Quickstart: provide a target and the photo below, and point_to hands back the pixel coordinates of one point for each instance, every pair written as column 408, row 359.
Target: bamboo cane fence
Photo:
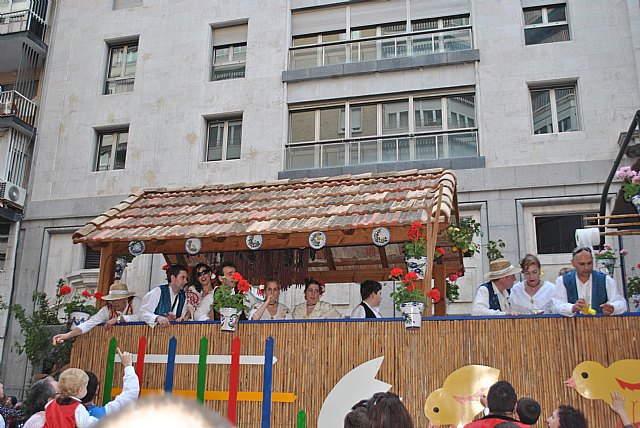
column 535, row 354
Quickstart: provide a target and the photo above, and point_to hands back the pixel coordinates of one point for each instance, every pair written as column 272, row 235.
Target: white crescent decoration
column 359, row 384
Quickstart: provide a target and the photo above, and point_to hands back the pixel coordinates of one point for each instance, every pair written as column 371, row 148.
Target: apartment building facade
column 524, row 99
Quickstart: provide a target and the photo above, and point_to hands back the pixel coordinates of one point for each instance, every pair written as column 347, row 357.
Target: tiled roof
column 284, row 206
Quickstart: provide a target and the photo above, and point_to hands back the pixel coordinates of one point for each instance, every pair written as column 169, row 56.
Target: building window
column 554, row 110
column 224, row 139
column 229, row 52
column 121, row 70
column 556, row 234
column 546, row 24
column 112, row 150
column 91, row 258
column 405, row 129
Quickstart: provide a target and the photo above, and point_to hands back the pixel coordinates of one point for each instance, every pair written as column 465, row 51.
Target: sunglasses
column 203, row 272
column 581, row 249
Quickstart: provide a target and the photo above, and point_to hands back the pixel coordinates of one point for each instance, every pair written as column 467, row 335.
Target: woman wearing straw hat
column 492, row 297
column 122, row 306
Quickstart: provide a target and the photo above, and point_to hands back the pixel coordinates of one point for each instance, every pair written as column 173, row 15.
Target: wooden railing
column 536, row 354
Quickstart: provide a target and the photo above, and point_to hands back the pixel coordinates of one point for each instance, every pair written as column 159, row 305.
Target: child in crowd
column 67, row 410
column 528, row 410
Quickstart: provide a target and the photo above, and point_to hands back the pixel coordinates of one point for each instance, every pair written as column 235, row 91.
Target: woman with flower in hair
column 314, row 308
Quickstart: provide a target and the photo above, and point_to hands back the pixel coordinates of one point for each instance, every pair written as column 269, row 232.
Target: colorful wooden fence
column 535, row 354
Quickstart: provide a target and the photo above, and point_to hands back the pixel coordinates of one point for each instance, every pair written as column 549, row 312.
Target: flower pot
column 228, row 319
column 418, row 266
column 605, row 265
column 412, row 314
column 635, row 200
column 78, row 317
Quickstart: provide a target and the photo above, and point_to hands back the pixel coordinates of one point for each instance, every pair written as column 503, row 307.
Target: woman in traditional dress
column 314, row 308
column 270, row 309
column 200, row 286
column 532, row 295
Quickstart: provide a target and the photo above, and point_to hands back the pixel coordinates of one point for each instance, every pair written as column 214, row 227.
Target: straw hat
column 117, row 291
column 500, row 268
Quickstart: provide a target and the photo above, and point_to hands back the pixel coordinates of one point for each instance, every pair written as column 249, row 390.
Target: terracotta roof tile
column 283, row 206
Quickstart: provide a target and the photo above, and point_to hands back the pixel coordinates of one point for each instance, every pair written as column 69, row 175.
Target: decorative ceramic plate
column 254, row 241
column 381, row 236
column 136, row 248
column 317, row 240
column 193, row 246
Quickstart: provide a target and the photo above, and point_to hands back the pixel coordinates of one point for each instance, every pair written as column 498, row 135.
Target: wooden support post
column 107, row 268
column 432, row 229
column 439, row 276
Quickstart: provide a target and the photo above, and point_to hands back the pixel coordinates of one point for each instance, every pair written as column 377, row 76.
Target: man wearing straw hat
column 585, row 290
column 492, row 297
column 122, row 306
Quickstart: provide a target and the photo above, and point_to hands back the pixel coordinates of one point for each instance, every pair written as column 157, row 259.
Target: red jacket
column 493, row 420
column 60, row 415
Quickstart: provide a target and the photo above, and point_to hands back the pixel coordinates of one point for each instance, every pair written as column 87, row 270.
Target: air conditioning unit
column 12, row 194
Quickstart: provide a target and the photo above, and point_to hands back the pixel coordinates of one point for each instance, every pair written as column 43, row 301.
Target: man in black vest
column 492, row 297
column 371, row 293
column 167, row 302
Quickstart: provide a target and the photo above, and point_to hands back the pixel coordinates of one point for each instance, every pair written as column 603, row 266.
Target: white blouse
column 524, row 304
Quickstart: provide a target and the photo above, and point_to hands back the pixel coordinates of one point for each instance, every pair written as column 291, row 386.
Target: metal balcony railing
column 376, row 48
column 380, row 150
column 13, row 103
column 32, row 19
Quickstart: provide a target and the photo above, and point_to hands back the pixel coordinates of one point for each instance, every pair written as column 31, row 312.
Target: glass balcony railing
column 380, row 48
column 13, row 103
column 380, row 150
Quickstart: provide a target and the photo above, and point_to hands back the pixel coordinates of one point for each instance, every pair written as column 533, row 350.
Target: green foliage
column 453, row 291
column 37, row 338
column 493, row 250
column 407, row 291
column 633, row 282
column 462, row 235
column 225, row 298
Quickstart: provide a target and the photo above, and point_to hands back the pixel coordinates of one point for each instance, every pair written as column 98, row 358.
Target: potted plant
column 415, row 250
column 606, row 258
column 633, row 287
column 230, row 303
column 462, row 236
column 80, row 307
column 630, row 185
column 407, row 297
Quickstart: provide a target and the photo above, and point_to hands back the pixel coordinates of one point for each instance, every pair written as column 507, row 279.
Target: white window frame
column 225, row 138
column 545, row 20
column 231, row 61
column 553, row 105
column 114, row 148
column 121, row 77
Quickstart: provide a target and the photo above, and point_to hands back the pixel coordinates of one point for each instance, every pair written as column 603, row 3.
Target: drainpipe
column 9, row 272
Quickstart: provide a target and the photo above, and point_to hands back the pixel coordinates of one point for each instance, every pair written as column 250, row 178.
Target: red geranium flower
column 411, row 276
column 416, row 225
column 440, row 250
column 64, row 290
column 236, row 276
column 243, row 286
column 411, row 286
column 98, row 296
column 166, row 267
column 638, row 266
column 434, row 294
column 86, row 294
column 396, row 272
column 453, row 277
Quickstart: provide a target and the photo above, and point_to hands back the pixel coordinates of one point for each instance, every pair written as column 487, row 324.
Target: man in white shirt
column 167, row 302
column 122, row 306
column 492, row 297
column 371, row 293
column 583, row 289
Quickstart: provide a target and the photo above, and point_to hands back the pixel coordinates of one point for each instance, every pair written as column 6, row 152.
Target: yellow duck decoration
column 594, row 381
column 458, row 401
